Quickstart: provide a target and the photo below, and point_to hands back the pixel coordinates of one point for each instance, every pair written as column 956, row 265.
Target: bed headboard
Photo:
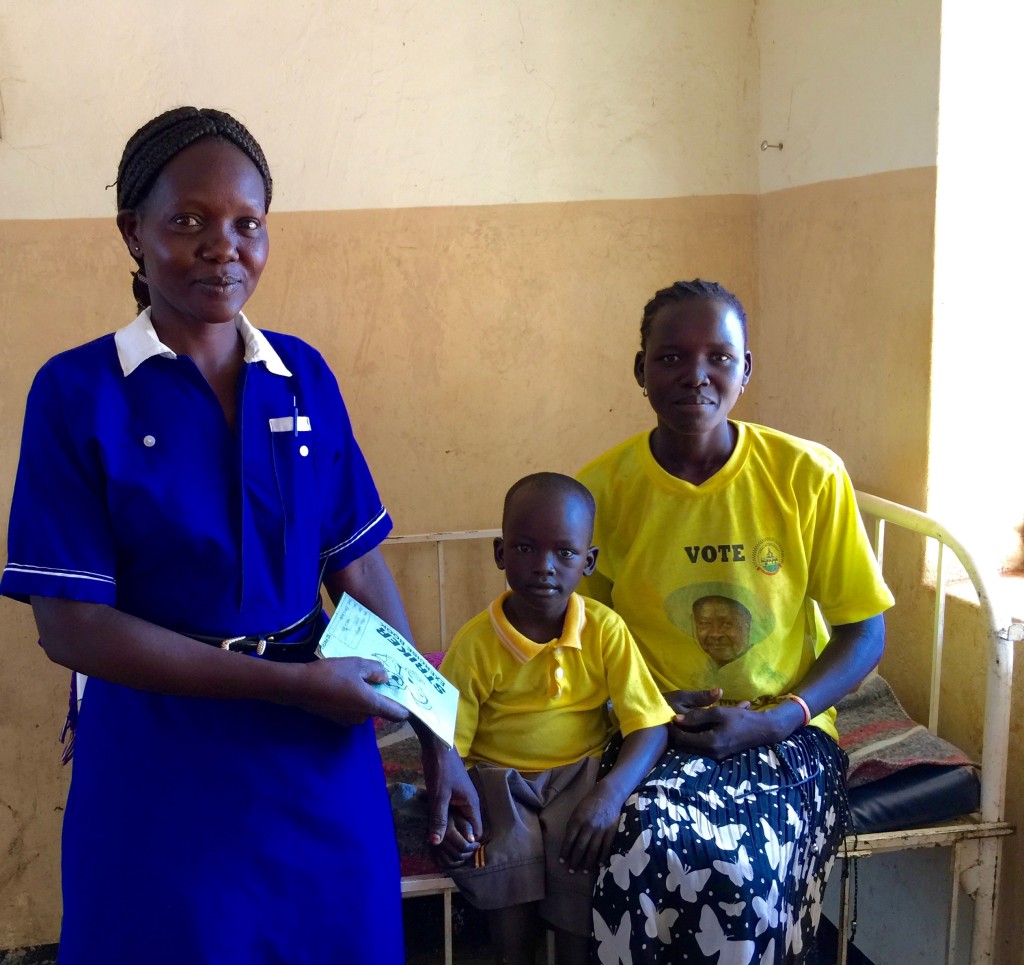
column 458, row 582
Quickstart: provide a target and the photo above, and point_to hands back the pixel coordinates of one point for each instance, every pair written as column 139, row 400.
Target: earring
column 743, row 389
column 644, row 388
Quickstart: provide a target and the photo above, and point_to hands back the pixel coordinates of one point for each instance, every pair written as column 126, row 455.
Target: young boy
column 535, row 672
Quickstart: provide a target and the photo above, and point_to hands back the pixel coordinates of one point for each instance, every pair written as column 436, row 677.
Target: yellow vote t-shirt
column 726, row 584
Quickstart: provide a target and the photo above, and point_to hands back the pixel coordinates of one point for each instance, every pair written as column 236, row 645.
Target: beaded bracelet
column 803, row 706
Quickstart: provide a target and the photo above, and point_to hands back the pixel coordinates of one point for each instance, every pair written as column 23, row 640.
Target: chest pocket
column 293, row 446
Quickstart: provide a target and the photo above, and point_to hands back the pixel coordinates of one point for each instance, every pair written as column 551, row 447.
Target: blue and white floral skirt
column 724, row 861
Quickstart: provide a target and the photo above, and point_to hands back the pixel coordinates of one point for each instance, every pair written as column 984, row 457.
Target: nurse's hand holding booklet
column 355, row 631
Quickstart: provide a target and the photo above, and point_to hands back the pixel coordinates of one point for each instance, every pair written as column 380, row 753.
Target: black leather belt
column 272, row 644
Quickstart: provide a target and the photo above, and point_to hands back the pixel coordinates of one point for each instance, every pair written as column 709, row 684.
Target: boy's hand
column 682, row 701
column 593, row 825
column 458, row 845
column 588, row 837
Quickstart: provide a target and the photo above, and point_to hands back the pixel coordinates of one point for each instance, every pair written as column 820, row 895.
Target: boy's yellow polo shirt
column 534, row 706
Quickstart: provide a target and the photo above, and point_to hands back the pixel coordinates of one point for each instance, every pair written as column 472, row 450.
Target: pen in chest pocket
column 294, row 423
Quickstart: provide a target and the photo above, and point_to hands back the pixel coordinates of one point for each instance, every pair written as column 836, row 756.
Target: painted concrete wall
column 472, row 204
column 848, row 88
column 846, row 218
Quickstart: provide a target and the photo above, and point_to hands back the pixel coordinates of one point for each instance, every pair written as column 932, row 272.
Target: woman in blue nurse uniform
column 185, row 487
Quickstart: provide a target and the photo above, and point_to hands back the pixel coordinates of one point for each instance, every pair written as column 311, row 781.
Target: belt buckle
column 229, row 644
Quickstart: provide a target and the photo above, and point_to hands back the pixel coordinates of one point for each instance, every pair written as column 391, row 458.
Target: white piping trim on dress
column 53, row 571
column 327, row 554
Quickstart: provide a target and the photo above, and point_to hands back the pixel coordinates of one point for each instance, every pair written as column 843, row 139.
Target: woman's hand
column 455, row 828
column 719, row 731
column 702, row 726
column 100, row 641
column 591, row 829
column 457, row 846
column 459, row 843
column 341, row 689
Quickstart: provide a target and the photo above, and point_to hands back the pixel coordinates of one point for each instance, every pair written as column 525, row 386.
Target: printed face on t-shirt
column 722, row 628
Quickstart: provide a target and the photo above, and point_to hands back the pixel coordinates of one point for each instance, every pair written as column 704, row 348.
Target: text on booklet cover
column 354, row 631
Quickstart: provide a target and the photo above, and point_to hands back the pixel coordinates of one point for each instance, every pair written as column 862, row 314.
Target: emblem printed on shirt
column 768, row 556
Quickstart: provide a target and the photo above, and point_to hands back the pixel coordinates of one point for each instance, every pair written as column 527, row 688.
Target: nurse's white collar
column 138, row 341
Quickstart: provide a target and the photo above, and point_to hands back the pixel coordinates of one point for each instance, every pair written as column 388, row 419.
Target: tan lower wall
column 843, row 341
column 1011, row 891
column 473, row 345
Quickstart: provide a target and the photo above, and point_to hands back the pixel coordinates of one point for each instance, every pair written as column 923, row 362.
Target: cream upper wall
column 368, row 105
column 846, row 213
column 849, row 88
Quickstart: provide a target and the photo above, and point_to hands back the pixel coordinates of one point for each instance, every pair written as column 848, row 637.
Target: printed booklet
column 354, row 631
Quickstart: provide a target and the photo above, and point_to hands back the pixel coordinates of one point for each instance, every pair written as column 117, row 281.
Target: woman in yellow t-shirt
column 729, row 549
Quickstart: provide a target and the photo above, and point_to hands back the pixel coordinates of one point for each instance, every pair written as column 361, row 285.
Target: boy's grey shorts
column 525, row 816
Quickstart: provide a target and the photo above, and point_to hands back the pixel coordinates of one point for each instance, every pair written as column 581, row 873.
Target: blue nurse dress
column 206, row 831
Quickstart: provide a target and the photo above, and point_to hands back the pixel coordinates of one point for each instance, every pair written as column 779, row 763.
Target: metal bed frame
column 417, row 886
column 976, row 839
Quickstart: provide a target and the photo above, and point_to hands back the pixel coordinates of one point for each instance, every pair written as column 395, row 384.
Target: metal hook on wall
column 765, row 145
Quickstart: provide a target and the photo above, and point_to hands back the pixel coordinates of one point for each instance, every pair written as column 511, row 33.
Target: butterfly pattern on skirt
column 727, row 859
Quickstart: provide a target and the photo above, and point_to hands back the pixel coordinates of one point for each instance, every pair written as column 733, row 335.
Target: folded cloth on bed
column 881, row 739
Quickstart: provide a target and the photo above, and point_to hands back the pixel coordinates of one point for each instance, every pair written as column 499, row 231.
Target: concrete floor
column 36, row 955
column 424, row 932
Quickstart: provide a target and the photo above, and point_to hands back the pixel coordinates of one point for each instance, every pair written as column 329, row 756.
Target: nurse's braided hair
column 683, row 291
column 154, row 144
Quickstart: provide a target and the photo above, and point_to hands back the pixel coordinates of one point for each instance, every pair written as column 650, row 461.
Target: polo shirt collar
column 139, row 341
column 524, row 649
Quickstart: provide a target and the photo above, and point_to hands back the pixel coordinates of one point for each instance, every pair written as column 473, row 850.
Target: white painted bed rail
column 976, row 842
column 439, row 540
